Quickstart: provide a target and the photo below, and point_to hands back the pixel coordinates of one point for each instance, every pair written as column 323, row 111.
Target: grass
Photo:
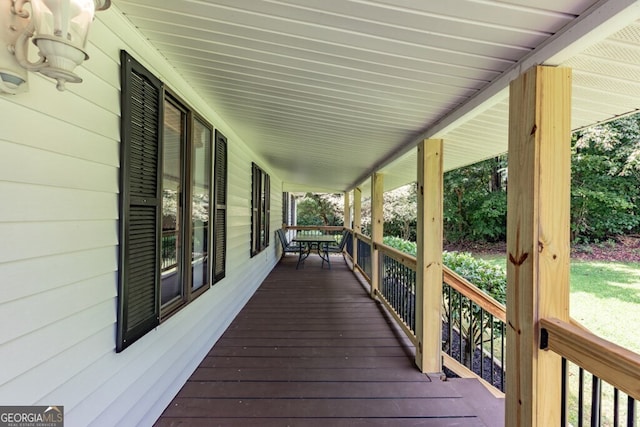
column 605, row 298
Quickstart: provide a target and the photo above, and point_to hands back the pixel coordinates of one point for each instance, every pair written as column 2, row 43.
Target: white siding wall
column 59, row 155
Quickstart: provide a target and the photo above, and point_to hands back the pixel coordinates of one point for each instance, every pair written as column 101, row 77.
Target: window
column 260, row 209
column 165, row 204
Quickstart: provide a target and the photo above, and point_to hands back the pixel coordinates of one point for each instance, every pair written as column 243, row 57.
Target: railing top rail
column 314, row 227
column 364, row 238
column 474, row 293
column 402, row 257
column 610, row 362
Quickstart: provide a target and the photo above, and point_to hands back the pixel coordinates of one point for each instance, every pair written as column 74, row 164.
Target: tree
column 475, row 202
column 605, row 188
column 605, row 180
column 320, row 209
column 399, row 212
column 605, row 192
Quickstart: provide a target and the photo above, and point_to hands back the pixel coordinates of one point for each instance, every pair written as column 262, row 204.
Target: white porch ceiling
column 327, row 91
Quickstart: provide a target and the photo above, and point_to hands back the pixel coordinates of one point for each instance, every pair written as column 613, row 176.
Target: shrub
column 400, row 244
column 490, row 278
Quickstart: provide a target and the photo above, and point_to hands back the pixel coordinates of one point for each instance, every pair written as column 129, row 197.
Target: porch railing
column 169, row 252
column 363, row 263
column 473, row 322
column 473, row 329
column 474, row 341
column 170, row 243
column 397, row 289
column 330, row 230
column 608, row 396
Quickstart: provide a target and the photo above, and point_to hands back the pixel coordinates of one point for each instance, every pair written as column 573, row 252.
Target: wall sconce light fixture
column 58, row 28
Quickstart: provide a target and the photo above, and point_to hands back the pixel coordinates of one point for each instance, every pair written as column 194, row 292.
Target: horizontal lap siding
column 29, row 277
column 58, row 182
column 36, row 239
column 59, row 160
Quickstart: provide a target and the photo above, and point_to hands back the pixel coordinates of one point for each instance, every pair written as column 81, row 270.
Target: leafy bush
column 488, row 223
column 400, row 244
column 490, row 278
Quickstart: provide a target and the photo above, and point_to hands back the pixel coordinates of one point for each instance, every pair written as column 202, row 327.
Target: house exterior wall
column 59, row 186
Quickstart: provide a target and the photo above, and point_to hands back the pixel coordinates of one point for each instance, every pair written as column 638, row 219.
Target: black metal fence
column 349, row 246
column 473, row 336
column 589, row 401
column 364, row 257
column 169, row 250
column 398, row 287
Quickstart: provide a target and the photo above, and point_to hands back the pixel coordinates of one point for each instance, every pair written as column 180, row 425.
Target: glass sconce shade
column 63, row 20
column 59, row 29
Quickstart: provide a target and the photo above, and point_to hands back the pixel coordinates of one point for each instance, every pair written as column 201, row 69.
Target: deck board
column 311, row 348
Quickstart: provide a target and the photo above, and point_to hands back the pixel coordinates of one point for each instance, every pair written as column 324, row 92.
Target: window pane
column 174, row 131
column 200, row 203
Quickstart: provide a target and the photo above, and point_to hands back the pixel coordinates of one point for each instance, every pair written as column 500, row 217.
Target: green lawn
column 605, row 298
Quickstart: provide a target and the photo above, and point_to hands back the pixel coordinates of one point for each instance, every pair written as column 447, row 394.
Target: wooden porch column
column 357, row 222
column 347, row 210
column 429, row 256
column 377, row 227
column 537, row 240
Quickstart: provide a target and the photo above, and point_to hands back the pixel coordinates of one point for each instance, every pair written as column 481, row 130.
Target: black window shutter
column 285, row 208
column 255, row 209
column 267, row 209
column 140, row 202
column 220, row 214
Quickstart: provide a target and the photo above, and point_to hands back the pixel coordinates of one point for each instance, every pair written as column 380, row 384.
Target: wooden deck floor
column 312, row 349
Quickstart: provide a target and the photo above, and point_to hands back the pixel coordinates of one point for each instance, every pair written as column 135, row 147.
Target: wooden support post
column 347, row 210
column 357, row 222
column 377, row 228
column 429, row 256
column 538, row 204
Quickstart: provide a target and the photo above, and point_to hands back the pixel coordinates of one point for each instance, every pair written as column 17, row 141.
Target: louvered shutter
column 140, row 202
column 255, row 209
column 267, row 209
column 285, row 209
column 220, row 214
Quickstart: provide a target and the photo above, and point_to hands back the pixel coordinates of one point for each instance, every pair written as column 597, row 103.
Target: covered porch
column 281, row 96
column 312, row 348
